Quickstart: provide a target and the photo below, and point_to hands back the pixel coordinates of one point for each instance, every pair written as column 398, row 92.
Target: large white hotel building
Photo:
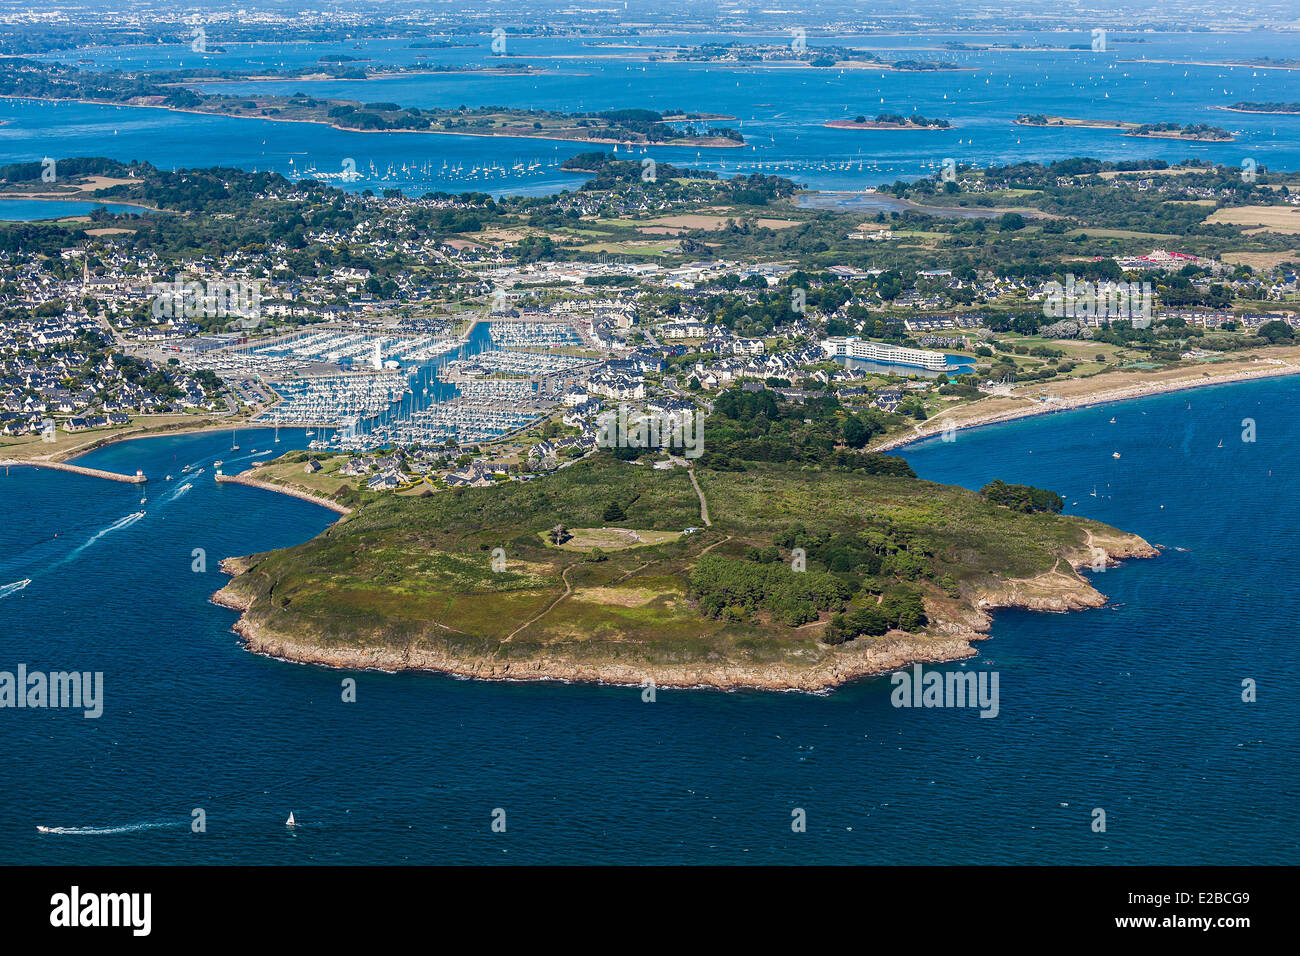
column 838, row 346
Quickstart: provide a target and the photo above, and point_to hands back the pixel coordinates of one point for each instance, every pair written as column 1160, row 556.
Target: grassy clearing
column 1119, row 234
column 615, row 539
column 1265, row 218
column 327, row 482
column 631, row 248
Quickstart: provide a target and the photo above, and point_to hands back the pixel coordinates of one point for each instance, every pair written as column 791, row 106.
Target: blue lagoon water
column 1134, row 708
column 27, row 210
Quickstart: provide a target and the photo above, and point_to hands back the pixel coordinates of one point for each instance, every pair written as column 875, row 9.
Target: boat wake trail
column 118, row 525
column 13, row 587
column 110, row 831
column 180, row 491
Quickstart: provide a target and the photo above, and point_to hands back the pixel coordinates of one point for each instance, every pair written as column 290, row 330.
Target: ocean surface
column 1135, row 708
column 779, row 110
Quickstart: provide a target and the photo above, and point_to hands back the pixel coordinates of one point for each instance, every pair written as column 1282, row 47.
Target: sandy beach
column 1044, row 399
column 66, row 447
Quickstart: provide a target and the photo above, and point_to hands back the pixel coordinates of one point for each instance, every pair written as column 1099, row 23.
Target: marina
column 365, row 391
column 463, row 420
column 428, row 173
column 346, row 349
column 515, row 363
column 334, row 400
column 507, row 334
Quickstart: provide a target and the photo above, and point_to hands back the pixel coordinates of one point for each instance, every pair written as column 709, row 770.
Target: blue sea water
column 1135, row 708
column 780, row 111
column 26, row 210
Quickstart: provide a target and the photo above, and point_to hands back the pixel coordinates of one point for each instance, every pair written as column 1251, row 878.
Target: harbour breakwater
column 137, row 479
column 281, row 489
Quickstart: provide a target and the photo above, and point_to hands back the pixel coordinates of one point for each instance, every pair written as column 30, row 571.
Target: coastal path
column 704, row 505
column 568, row 589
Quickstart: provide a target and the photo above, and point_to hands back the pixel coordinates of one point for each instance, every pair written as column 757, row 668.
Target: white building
column 857, row 348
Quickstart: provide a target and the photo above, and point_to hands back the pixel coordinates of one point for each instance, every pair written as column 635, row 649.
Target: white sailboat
column 291, row 822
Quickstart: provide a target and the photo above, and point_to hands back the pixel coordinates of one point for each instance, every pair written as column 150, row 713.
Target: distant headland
column 1192, row 132
column 1290, row 109
column 30, row 79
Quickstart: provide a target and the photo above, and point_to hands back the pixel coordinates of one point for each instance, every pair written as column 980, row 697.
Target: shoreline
column 870, row 127
column 523, row 70
column 1121, row 394
column 806, row 65
column 78, row 198
column 1231, row 109
column 126, row 434
column 301, row 495
column 1228, row 64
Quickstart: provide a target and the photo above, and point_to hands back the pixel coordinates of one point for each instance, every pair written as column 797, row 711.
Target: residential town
column 477, row 361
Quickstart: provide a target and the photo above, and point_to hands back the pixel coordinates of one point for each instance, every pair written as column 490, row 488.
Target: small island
column 681, row 116
column 438, row 45
column 785, row 55
column 889, row 121
column 1013, row 47
column 1195, row 132
column 1192, row 132
column 1290, row 109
